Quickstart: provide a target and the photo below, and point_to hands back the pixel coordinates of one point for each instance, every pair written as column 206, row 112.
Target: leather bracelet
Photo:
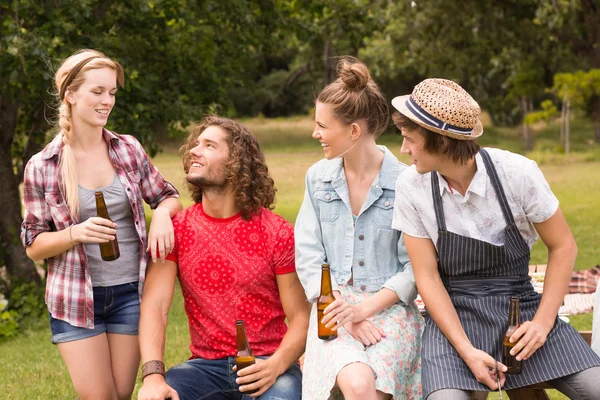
column 153, row 367
column 71, row 235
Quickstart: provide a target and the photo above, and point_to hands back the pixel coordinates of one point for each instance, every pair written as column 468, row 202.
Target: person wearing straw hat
column 470, row 217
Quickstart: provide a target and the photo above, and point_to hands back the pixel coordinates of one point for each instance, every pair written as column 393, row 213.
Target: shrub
column 25, row 306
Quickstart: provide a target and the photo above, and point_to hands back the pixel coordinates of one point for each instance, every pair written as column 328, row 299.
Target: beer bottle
column 325, row 299
column 511, row 362
column 109, row 251
column 244, row 356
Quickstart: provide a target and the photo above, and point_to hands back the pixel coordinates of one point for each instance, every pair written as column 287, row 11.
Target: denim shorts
column 116, row 310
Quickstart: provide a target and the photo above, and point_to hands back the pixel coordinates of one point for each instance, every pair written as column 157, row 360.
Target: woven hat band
column 433, row 121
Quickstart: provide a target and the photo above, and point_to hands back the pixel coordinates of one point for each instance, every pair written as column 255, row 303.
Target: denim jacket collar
column 334, row 171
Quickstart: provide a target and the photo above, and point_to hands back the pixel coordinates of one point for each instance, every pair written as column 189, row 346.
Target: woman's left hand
column 340, row 312
column 161, row 237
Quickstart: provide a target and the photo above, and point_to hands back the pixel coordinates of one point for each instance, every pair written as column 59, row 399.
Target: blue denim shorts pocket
column 116, row 310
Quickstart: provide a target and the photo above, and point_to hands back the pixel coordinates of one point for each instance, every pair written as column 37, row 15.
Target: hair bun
column 353, row 73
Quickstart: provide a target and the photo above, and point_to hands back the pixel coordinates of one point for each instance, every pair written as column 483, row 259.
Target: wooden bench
column 532, row 392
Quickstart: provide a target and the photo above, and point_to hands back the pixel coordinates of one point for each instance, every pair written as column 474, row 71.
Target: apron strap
column 437, row 202
column 491, row 171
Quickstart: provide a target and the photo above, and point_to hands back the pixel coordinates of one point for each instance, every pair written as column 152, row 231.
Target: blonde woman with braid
column 94, row 304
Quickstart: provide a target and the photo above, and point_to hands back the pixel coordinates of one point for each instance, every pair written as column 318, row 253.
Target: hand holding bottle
column 94, row 230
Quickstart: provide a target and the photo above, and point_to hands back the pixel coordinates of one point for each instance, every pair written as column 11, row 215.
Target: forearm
column 440, row 308
column 50, row 244
column 171, row 205
column 153, row 324
column 293, row 344
column 556, row 281
column 381, row 300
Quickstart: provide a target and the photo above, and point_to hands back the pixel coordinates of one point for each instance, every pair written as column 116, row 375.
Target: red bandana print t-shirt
column 227, row 270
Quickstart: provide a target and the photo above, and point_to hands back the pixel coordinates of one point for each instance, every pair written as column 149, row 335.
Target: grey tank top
column 126, row 268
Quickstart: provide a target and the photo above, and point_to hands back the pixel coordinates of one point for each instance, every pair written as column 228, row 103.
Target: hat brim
column 399, row 103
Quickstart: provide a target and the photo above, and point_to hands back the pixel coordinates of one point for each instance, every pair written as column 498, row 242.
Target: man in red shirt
column 234, row 259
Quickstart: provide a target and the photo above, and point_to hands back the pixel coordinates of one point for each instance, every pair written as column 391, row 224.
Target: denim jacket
column 369, row 251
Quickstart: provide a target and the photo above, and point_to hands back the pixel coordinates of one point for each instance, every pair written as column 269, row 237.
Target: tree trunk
column 527, row 134
column 563, row 112
column 595, row 106
column 35, row 139
column 567, row 128
column 12, row 253
column 328, row 69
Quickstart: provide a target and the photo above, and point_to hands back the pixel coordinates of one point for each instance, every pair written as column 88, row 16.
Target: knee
column 358, row 387
column 177, row 374
column 124, row 394
column 287, row 387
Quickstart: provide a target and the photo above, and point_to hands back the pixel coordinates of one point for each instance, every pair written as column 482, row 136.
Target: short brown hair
column 459, row 151
column 355, row 96
column 246, row 169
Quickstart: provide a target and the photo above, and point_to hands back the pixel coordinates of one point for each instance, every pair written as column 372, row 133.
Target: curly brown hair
column 247, row 171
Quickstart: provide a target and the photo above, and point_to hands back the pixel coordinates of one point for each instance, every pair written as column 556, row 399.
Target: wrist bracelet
column 153, row 367
column 71, row 235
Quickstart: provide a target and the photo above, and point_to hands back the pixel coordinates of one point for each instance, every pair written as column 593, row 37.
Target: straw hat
column 442, row 106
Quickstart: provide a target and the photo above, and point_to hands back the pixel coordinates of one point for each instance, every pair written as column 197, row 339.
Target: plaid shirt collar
column 55, row 146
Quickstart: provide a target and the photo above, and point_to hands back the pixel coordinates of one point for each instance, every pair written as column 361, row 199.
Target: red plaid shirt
column 69, row 292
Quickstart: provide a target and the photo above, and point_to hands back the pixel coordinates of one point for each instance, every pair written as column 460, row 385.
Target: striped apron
column 480, row 278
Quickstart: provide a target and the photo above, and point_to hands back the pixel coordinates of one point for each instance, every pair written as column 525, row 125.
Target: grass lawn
column 32, row 368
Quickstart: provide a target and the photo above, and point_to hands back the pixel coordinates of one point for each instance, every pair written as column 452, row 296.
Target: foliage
column 548, row 113
column 579, row 87
column 25, row 306
column 9, row 327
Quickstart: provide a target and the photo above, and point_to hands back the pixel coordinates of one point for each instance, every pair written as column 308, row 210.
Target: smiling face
column 413, row 145
column 94, row 99
column 208, row 160
column 334, row 135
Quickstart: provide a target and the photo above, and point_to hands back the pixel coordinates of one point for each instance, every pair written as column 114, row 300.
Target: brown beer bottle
column 109, row 251
column 325, row 299
column 244, row 356
column 511, row 362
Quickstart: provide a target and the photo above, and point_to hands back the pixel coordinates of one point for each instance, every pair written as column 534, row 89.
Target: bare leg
column 125, row 360
column 450, row 394
column 357, row 382
column 89, row 365
column 383, row 396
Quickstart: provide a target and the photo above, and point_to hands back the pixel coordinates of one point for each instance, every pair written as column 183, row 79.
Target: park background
column 533, row 65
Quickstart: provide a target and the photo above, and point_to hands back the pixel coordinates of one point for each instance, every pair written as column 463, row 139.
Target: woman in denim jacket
column 346, row 221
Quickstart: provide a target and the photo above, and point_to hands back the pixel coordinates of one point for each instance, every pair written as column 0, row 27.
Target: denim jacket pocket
column 329, row 204
column 383, row 212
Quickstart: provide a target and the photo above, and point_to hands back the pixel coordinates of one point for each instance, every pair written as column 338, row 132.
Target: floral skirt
column 395, row 360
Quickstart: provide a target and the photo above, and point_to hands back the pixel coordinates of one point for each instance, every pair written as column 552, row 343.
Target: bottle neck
column 241, row 338
column 325, row 281
column 101, row 206
column 514, row 312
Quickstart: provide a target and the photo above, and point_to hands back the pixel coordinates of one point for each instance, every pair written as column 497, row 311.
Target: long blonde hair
column 69, row 77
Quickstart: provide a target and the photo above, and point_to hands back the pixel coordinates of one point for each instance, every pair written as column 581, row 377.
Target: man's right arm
column 422, row 255
column 154, row 310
